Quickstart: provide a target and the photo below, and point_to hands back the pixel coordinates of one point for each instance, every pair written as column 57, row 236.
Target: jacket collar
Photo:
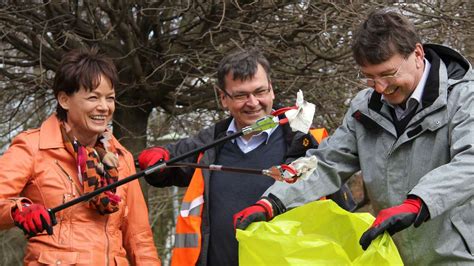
column 50, row 134
column 51, row 138
column 430, row 92
column 374, row 113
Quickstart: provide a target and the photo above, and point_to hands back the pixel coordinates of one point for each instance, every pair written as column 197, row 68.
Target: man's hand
column 263, row 210
column 260, row 211
column 395, row 219
column 32, row 219
column 150, row 157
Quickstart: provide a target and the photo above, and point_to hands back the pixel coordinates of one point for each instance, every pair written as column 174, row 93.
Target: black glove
column 395, row 219
column 263, row 210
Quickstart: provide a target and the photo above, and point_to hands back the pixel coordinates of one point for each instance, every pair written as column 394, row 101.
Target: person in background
column 204, row 231
column 73, row 153
column 411, row 133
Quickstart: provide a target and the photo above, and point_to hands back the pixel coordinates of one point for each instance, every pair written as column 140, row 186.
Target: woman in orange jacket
column 71, row 154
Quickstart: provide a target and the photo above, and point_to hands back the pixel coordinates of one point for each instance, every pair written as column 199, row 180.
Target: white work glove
column 303, row 167
column 301, row 119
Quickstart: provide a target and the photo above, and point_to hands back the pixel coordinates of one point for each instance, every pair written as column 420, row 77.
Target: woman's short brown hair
column 82, row 68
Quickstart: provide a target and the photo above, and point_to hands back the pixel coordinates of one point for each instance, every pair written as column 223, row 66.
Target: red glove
column 150, row 157
column 261, row 211
column 32, row 219
column 395, row 219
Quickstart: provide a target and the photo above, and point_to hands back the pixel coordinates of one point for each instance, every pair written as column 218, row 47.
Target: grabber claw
column 290, row 175
column 282, row 111
column 283, row 172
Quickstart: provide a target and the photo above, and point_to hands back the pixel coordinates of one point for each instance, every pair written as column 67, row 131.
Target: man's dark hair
column 242, row 65
column 383, row 34
column 82, row 68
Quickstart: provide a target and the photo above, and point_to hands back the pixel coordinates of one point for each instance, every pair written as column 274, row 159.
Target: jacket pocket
column 60, row 258
column 121, row 261
column 465, row 229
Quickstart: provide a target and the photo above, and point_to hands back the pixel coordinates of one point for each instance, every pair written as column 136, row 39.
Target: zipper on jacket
column 73, row 184
column 390, row 151
column 106, row 242
column 66, row 197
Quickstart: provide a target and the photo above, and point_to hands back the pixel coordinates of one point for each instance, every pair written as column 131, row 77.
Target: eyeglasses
column 386, row 78
column 244, row 96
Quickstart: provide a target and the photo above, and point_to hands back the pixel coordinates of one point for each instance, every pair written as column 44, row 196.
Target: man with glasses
column 204, row 233
column 412, row 136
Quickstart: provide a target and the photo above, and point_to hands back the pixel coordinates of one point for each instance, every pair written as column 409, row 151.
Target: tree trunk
column 130, row 125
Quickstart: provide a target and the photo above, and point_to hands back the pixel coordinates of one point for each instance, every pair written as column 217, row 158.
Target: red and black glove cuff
column 277, row 206
column 423, row 215
column 263, row 210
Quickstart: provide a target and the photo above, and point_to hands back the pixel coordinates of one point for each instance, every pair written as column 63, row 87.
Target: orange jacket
column 188, row 235
column 38, row 167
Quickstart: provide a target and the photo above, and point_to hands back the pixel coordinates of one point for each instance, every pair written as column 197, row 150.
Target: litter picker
column 299, row 117
column 275, row 172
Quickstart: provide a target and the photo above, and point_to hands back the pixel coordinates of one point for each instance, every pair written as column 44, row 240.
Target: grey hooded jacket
column 433, row 159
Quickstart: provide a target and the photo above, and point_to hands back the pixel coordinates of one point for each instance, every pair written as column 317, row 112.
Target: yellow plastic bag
column 318, row 233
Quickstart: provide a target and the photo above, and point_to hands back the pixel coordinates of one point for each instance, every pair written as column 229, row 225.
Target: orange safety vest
column 188, row 227
column 319, row 134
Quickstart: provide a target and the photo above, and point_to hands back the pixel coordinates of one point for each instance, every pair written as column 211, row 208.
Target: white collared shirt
column 254, row 141
column 415, row 98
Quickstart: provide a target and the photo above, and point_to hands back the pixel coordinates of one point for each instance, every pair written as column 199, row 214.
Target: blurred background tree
column 167, row 52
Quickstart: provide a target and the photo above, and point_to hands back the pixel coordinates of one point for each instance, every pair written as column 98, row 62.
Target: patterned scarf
column 97, row 167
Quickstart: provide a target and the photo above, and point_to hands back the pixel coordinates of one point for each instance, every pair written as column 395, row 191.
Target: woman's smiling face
column 89, row 112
